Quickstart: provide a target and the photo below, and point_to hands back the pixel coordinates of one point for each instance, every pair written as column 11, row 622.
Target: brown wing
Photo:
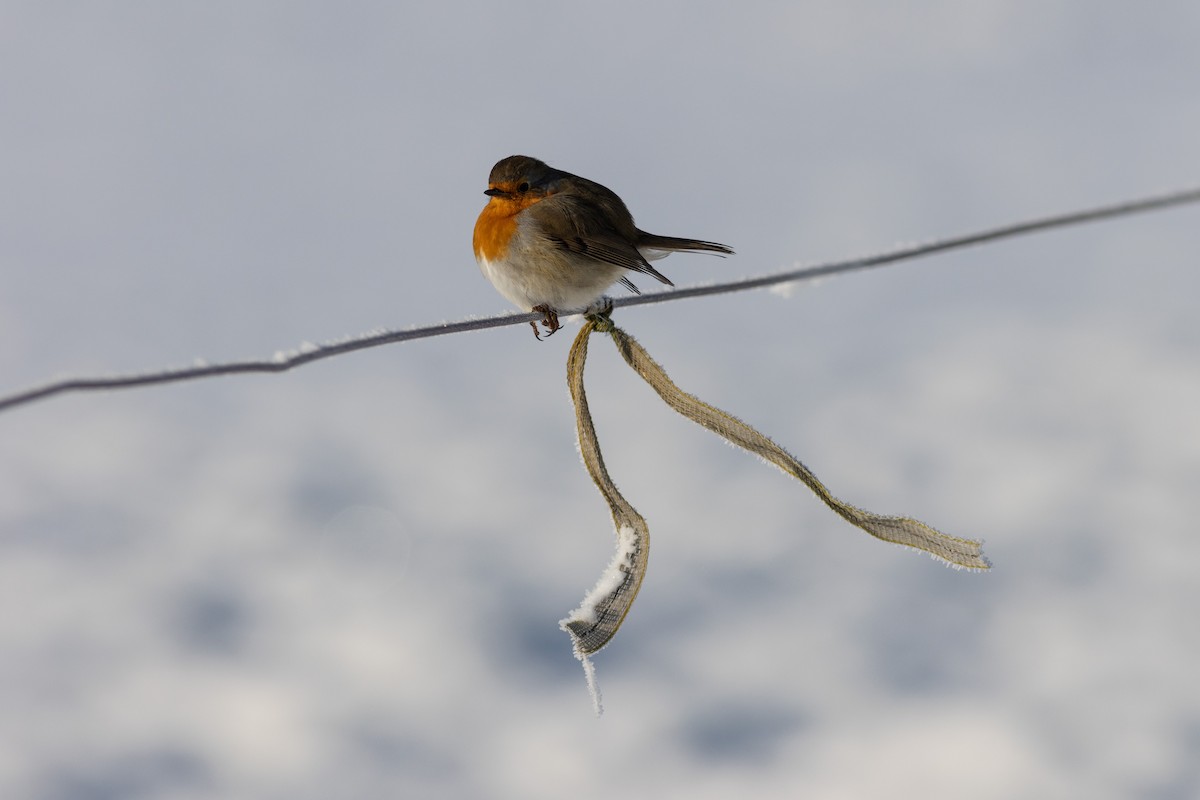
column 582, row 225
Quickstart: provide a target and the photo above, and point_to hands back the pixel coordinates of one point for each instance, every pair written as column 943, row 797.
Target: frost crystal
column 611, row 580
column 783, row 290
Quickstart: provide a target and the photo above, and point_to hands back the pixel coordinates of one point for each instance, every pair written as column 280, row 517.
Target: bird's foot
column 549, row 319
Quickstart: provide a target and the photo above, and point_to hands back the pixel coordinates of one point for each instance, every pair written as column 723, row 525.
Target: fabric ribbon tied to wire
column 599, row 616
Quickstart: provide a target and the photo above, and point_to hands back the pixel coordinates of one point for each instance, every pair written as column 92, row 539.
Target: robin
column 553, row 242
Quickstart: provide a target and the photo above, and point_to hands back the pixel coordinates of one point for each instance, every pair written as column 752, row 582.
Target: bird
column 552, row 242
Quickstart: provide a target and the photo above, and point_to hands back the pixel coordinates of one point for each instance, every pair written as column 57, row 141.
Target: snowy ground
column 345, row 581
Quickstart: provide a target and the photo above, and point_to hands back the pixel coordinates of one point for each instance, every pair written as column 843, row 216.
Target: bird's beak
column 493, row 192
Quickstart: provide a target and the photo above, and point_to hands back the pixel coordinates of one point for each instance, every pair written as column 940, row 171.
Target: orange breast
column 493, row 232
column 496, row 226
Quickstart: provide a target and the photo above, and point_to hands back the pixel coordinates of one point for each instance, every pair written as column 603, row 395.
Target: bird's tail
column 659, row 246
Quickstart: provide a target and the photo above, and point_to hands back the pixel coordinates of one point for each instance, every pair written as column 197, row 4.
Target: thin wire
column 282, row 362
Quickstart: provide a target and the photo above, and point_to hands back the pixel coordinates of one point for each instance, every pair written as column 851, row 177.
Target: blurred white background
column 345, row 581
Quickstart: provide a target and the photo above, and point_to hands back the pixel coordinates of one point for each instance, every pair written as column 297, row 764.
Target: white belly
column 563, row 284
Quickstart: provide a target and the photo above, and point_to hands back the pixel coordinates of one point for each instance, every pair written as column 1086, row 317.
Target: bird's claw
column 549, row 319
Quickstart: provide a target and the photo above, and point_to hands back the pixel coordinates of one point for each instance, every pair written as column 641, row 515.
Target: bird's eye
column 523, row 187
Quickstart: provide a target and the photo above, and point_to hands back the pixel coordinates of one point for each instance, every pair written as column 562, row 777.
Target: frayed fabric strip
column 603, row 610
column 957, row 552
column 594, row 623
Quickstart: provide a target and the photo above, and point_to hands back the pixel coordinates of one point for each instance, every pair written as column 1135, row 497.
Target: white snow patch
column 611, row 579
column 784, row 290
column 610, row 582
